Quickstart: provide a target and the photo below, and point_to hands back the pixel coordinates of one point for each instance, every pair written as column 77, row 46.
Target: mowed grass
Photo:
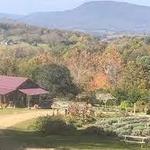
column 11, row 111
column 22, row 136
column 26, row 126
column 8, row 111
column 15, row 140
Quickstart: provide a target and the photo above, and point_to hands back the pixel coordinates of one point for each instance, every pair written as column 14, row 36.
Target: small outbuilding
column 20, row 92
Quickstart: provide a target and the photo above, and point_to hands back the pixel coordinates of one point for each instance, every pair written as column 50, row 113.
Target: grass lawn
column 16, row 140
column 21, row 136
column 8, row 111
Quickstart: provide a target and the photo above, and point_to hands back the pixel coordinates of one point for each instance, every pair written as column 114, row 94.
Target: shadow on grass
column 22, row 140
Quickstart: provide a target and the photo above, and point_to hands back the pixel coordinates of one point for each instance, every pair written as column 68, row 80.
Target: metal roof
column 9, row 82
column 34, row 91
column 4, row 91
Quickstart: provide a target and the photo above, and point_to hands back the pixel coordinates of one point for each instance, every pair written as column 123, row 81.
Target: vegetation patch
column 50, row 125
column 136, row 126
column 8, row 111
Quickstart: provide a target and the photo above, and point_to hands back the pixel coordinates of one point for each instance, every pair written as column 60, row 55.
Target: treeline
column 67, row 63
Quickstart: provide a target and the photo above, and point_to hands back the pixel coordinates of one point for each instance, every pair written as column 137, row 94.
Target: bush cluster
column 95, row 130
column 50, row 125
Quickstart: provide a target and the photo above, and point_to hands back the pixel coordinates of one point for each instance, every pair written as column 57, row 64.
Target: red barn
column 19, row 91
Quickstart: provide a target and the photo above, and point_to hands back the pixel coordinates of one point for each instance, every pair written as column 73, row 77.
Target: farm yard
column 10, row 117
column 20, row 140
column 21, row 129
column 67, row 90
column 69, row 124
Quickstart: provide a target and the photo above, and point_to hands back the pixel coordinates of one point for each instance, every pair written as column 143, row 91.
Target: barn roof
column 34, row 91
column 9, row 82
column 4, row 91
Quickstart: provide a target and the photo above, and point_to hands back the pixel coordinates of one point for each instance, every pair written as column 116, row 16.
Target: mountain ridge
column 95, row 16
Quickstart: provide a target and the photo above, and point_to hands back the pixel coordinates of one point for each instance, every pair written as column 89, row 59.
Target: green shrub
column 137, row 131
column 48, row 125
column 101, row 114
column 140, row 106
column 109, row 132
column 112, row 121
column 148, row 109
column 147, row 40
column 90, row 119
column 146, row 132
column 78, row 122
column 124, row 105
column 148, row 112
column 94, row 130
column 122, row 131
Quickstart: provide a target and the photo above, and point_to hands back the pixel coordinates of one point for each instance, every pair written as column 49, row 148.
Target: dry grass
column 9, row 118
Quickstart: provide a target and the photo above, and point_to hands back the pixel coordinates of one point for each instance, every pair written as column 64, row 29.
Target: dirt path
column 10, row 120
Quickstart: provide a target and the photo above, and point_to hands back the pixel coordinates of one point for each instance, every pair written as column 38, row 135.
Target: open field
column 10, row 117
column 17, row 140
column 16, row 134
column 12, row 111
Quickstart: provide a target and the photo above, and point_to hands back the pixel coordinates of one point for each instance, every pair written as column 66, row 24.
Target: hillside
column 92, row 17
column 96, row 17
column 72, row 62
column 4, row 16
column 24, row 48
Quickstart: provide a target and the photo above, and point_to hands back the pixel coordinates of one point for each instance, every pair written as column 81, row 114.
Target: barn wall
column 20, row 100
column 15, row 98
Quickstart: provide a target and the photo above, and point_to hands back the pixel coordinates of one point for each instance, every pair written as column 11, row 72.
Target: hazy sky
column 29, row 6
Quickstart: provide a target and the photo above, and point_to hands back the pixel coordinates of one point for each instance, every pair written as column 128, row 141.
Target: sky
column 30, row 6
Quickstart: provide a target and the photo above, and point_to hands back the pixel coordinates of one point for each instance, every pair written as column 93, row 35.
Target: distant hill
column 98, row 16
column 4, row 16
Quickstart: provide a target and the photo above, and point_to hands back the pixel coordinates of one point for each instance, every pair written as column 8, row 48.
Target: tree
column 8, row 66
column 136, row 80
column 56, row 79
column 147, row 40
column 83, row 66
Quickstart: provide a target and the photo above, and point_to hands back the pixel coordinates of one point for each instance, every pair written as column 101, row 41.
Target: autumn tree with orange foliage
column 112, row 64
column 83, row 66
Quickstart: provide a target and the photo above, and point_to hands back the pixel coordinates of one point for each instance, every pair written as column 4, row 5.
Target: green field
column 17, row 139
column 21, row 136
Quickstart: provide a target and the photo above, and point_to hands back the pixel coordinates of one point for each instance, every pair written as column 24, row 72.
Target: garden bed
column 135, row 126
